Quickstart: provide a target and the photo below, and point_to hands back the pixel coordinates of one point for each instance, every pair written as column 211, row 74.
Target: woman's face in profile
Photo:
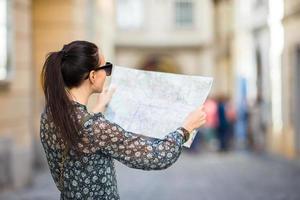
column 100, row 76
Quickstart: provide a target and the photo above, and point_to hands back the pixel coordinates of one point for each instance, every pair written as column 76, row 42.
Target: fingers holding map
column 154, row 103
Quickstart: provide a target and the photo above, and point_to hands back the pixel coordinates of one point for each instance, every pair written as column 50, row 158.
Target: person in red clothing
column 209, row 129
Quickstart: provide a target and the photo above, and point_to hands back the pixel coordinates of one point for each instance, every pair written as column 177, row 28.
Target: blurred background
column 250, row 147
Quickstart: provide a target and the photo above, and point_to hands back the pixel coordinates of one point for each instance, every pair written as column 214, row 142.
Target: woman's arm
column 131, row 149
column 135, row 150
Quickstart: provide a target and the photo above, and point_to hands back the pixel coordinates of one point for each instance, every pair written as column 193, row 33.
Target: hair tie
column 64, row 53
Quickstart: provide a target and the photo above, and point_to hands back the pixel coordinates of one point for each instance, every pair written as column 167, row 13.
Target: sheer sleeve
column 132, row 149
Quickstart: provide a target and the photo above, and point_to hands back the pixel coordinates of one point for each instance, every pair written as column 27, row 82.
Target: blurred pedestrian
column 210, row 128
column 231, row 116
column 223, row 124
column 258, row 125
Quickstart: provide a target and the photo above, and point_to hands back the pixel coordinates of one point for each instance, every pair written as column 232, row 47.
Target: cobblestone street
column 195, row 177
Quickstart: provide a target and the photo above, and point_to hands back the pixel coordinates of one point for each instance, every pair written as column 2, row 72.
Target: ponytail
column 58, row 104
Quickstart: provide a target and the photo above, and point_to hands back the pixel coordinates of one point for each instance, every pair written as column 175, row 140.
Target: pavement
column 204, row 176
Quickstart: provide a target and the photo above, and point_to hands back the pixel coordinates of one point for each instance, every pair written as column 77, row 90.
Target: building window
column 260, row 3
column 184, row 13
column 4, row 40
column 130, row 14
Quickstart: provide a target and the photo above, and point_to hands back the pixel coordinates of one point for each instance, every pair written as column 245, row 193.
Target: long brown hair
column 66, row 68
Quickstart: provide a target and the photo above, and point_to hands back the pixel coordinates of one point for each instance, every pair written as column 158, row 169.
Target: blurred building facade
column 16, row 120
column 29, row 30
column 231, row 40
column 182, row 36
column 265, row 34
column 180, row 31
column 291, row 74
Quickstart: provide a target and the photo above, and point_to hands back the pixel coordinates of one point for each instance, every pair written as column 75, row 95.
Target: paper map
column 154, row 103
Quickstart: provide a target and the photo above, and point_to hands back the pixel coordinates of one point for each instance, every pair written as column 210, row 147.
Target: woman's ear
column 92, row 76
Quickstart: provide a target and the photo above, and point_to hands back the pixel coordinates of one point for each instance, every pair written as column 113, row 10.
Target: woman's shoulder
column 44, row 117
column 91, row 118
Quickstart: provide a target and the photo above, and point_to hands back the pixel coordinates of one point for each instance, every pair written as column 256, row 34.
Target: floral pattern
column 92, row 175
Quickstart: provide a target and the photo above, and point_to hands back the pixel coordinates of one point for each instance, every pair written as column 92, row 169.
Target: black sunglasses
column 107, row 67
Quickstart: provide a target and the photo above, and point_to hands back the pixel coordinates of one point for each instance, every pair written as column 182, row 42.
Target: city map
column 154, row 103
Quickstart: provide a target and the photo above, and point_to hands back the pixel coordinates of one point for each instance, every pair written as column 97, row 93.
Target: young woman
column 81, row 146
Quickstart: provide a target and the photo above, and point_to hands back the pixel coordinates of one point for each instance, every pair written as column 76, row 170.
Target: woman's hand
column 103, row 99
column 195, row 119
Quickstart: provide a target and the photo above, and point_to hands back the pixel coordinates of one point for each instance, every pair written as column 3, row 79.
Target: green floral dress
column 92, row 175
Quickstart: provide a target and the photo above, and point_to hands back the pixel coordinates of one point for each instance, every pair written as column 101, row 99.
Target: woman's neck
column 79, row 94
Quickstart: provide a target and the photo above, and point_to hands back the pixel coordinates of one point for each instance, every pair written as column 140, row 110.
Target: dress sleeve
column 132, row 149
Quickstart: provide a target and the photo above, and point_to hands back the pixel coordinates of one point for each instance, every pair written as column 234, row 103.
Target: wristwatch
column 185, row 132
